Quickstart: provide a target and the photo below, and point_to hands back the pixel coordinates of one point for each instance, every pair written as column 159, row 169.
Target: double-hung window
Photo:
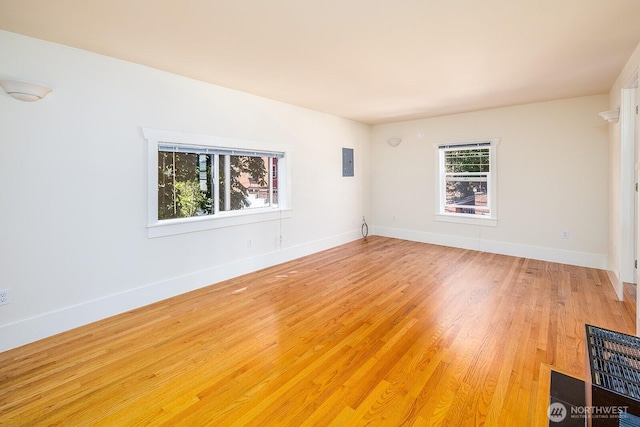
column 466, row 181
column 201, row 182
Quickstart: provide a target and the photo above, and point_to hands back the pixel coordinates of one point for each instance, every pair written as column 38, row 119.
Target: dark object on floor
column 568, row 400
column 612, row 392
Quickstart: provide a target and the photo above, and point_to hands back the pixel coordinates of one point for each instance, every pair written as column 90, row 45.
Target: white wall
column 73, row 167
column 552, row 176
column 73, row 171
column 620, row 255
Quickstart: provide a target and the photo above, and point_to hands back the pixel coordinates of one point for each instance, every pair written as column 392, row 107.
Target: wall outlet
column 565, row 234
column 4, row 296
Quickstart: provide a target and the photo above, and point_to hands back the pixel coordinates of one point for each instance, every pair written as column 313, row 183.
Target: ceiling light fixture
column 610, row 116
column 394, row 142
column 24, row 91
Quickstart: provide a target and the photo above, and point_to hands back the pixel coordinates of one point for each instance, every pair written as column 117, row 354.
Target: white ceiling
column 373, row 61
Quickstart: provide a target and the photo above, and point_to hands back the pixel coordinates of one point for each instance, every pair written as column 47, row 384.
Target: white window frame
column 167, row 227
column 490, row 220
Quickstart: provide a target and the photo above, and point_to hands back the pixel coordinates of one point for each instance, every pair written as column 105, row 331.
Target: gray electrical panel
column 347, row 162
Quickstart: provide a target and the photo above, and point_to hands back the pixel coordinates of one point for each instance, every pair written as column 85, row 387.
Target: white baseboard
column 31, row 329
column 582, row 259
column 48, row 324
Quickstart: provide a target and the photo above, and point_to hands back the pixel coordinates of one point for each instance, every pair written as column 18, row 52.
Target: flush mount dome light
column 24, row 91
column 394, row 142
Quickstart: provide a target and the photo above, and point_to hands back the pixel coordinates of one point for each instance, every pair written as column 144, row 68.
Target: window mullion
column 227, row 182
column 270, row 172
column 215, row 171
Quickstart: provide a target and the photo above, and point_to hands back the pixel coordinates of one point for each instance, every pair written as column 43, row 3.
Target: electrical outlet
column 565, row 234
column 4, row 296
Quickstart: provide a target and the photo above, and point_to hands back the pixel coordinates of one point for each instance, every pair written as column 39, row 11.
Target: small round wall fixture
column 394, row 142
column 610, row 116
column 24, row 91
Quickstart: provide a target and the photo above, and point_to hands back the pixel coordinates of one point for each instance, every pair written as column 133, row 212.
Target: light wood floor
column 630, row 296
column 378, row 332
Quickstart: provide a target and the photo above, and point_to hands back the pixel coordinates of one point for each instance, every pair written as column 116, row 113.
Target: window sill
column 170, row 227
column 468, row 219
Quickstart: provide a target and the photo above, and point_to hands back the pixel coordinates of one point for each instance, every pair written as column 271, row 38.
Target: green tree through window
column 185, row 183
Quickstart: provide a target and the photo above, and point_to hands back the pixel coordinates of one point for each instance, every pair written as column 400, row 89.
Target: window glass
column 466, row 184
column 466, row 176
column 184, row 188
column 187, row 182
column 250, row 183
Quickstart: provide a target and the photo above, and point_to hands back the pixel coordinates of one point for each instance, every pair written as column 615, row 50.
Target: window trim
column 167, row 227
column 462, row 218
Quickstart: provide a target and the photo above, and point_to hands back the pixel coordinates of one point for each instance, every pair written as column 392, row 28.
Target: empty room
column 310, row 213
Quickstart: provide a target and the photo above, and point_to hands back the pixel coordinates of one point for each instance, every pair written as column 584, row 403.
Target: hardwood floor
column 376, row 332
column 630, row 295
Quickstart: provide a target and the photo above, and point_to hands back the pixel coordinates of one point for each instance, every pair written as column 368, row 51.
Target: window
column 466, row 184
column 200, row 182
column 197, row 181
